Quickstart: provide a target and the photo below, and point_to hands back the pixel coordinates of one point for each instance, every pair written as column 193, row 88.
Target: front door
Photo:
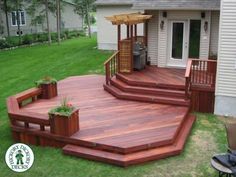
column 178, row 43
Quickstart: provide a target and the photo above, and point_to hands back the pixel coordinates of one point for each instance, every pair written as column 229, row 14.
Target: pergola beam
column 128, row 19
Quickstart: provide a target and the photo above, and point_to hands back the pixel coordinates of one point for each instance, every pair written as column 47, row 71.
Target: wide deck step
column 147, row 90
column 137, row 157
column 152, row 84
column 146, row 98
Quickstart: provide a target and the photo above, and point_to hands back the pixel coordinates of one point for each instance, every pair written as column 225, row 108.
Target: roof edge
column 153, row 8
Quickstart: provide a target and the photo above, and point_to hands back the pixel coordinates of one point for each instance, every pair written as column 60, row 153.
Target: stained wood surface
column 154, row 76
column 107, row 120
column 137, row 157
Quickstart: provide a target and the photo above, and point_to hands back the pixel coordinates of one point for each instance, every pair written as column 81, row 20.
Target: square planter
column 49, row 90
column 64, row 126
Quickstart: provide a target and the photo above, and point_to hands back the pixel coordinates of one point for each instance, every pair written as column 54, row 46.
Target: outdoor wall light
column 203, row 14
column 206, row 26
column 162, row 25
column 164, row 14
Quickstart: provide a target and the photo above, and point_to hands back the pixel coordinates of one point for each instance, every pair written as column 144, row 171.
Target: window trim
column 20, row 11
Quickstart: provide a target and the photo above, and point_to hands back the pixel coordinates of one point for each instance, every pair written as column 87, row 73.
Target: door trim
column 174, row 62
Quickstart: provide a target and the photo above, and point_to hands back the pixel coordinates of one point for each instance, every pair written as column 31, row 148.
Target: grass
column 21, row 67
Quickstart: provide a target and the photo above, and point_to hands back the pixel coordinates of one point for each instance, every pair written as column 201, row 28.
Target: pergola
column 125, row 46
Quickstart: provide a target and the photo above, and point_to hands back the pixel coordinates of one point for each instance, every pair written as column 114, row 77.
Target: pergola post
column 146, row 33
column 131, row 47
column 118, row 46
column 128, row 31
column 146, row 39
column 135, row 32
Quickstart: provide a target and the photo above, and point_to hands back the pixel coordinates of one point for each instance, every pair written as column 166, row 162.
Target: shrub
column 66, row 34
column 13, row 41
column 4, row 44
column 82, row 33
column 27, row 39
column 42, row 37
column 72, row 34
column 9, row 42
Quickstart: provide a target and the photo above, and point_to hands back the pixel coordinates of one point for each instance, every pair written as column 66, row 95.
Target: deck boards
column 113, row 122
column 156, row 75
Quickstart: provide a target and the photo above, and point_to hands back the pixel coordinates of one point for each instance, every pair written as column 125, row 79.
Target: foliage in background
column 40, row 16
column 38, row 38
column 84, row 8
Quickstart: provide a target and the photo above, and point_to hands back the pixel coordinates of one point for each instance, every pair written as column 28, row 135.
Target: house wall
column 162, row 37
column 215, row 20
column 225, row 102
column 153, row 37
column 71, row 21
column 107, row 33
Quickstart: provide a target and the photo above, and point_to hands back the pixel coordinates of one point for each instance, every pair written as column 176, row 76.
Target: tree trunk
column 58, row 21
column 48, row 26
column 88, row 20
column 6, row 15
column 82, row 22
column 18, row 21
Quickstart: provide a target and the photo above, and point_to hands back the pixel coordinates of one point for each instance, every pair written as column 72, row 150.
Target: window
column 194, row 38
column 22, row 20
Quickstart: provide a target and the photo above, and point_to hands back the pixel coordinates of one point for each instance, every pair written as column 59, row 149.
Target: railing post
column 107, row 73
column 111, row 67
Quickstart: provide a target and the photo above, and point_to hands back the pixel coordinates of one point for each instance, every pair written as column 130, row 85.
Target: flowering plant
column 65, row 109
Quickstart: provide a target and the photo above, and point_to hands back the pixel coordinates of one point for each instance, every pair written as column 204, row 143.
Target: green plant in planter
column 64, row 110
column 46, row 80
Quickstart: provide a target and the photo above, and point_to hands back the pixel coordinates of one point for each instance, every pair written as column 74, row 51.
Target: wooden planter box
column 48, row 90
column 65, row 126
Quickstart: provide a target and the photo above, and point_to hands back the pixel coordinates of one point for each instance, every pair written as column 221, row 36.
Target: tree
column 84, row 8
column 6, row 10
column 47, row 19
column 58, row 14
column 19, row 4
column 39, row 17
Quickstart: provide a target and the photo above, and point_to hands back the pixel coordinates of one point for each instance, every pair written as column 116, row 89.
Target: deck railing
column 200, row 74
column 111, row 67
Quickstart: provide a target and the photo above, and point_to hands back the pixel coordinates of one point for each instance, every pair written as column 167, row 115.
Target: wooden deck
column 112, row 130
column 158, row 76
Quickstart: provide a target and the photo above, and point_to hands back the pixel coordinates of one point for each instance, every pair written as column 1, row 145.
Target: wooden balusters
column 111, row 66
column 201, row 74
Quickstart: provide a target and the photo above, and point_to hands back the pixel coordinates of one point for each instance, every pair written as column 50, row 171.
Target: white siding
column 162, row 41
column 205, row 37
column 107, row 33
column 153, row 37
column 215, row 20
column 163, row 34
column 226, row 74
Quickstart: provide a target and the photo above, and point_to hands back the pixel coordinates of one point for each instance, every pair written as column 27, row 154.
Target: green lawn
column 21, row 67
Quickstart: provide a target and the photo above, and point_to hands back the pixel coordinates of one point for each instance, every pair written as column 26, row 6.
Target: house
column 106, row 34
column 191, row 16
column 225, row 96
column 70, row 21
column 179, row 30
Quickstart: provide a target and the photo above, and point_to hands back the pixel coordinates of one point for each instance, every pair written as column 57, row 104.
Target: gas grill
column 139, row 56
